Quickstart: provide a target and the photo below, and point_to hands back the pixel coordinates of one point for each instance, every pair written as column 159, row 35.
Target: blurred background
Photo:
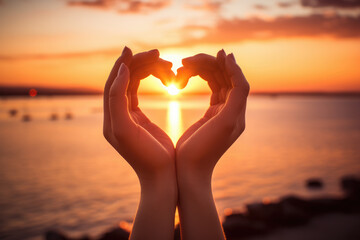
column 301, row 58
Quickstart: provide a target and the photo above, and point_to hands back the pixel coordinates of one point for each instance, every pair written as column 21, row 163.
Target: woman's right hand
column 201, row 146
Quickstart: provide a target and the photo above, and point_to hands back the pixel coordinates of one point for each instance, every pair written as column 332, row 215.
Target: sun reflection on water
column 174, row 121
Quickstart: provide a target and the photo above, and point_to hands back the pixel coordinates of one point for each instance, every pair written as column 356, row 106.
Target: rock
column 287, row 212
column 269, row 213
column 315, row 206
column 57, row 235
column 314, row 183
column 238, row 225
column 293, row 213
column 13, row 112
column 351, row 185
column 115, row 234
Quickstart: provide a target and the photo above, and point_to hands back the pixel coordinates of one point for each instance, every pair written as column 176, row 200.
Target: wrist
column 160, row 185
column 194, row 185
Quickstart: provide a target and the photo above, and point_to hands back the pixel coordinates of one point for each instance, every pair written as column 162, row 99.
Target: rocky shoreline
column 262, row 219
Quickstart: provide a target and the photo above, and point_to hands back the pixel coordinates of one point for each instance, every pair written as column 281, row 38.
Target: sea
column 58, row 172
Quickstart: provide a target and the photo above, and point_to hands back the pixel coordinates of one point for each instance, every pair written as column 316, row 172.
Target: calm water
column 63, row 174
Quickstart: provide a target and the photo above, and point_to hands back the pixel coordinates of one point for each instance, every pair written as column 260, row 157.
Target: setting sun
column 172, row 89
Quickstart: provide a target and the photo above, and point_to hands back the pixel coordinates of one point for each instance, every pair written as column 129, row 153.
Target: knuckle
column 246, row 87
column 107, row 135
column 242, row 127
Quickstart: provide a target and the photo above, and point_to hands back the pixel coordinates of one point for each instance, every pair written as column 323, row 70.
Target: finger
column 137, row 72
column 208, row 68
column 124, row 58
column 220, row 58
column 200, row 61
column 204, row 66
column 238, row 94
column 162, row 70
column 182, row 77
column 184, row 74
column 144, row 58
column 118, row 103
column 235, row 73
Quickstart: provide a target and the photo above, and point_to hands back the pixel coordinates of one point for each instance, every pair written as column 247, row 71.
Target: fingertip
column 232, row 57
column 126, row 55
column 185, row 61
column 229, row 59
column 182, row 77
column 154, row 53
column 182, row 85
column 126, row 50
column 220, row 57
column 189, row 61
column 166, row 64
column 123, row 70
column 121, row 81
column 170, row 78
column 221, row 54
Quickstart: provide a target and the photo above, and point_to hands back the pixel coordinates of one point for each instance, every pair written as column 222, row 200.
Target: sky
column 281, row 45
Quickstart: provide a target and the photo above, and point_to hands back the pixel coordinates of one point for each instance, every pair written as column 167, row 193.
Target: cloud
column 69, row 55
column 260, row 7
column 285, row 4
column 331, row 3
column 122, row 6
column 207, row 5
column 93, row 4
column 238, row 30
column 139, row 6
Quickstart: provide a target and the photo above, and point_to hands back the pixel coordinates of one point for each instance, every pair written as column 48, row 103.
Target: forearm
column 156, row 211
column 198, row 215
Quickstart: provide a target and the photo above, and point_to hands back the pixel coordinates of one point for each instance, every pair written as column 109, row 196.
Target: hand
column 201, row 146
column 126, row 127
column 141, row 143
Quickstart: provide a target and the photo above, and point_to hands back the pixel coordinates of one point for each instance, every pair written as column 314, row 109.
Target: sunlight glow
column 172, row 89
column 174, row 58
column 174, row 121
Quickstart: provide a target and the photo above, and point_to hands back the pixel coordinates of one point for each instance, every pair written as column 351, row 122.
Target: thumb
column 118, row 102
column 120, row 84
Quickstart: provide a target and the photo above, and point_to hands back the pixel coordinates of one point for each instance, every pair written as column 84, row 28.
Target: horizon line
column 53, row 91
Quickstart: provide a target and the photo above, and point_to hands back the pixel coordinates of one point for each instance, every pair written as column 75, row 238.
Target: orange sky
column 296, row 45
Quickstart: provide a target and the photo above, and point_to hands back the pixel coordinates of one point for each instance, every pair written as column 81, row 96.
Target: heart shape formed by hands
column 126, row 126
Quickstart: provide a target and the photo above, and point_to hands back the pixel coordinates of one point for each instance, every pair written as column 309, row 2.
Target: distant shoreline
column 9, row 91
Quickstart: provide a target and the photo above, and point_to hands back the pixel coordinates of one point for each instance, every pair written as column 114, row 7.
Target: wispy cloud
column 331, row 3
column 260, row 7
column 67, row 55
column 238, row 30
column 207, row 5
column 285, row 4
column 122, row 6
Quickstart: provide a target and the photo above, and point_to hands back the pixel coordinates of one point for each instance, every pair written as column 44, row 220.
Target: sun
column 172, row 89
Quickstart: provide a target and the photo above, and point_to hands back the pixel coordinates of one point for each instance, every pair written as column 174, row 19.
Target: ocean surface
column 62, row 174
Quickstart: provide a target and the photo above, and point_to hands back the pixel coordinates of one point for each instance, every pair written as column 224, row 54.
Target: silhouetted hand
column 146, row 147
column 201, row 146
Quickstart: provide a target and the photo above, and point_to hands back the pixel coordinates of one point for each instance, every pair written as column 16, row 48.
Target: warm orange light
column 174, row 121
column 173, row 57
column 172, row 89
